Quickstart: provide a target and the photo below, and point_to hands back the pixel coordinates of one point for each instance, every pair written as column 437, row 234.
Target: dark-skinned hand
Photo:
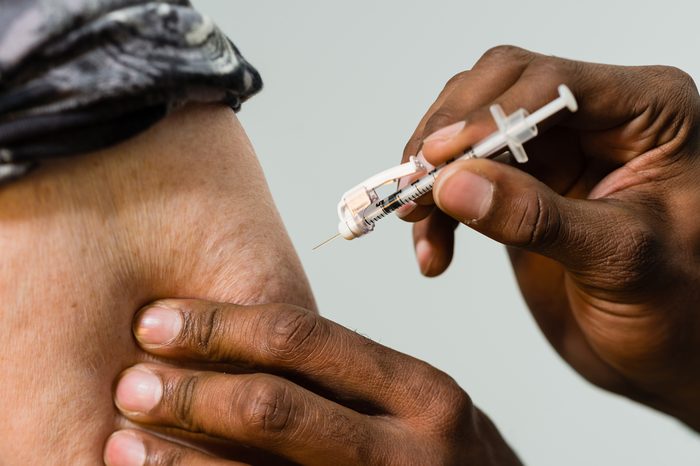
column 601, row 223
column 315, row 393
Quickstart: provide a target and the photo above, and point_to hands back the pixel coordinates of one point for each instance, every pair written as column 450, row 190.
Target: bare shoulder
column 190, row 189
column 182, row 210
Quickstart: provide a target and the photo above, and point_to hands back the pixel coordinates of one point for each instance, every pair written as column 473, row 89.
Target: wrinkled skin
column 84, row 241
column 316, row 393
column 600, row 223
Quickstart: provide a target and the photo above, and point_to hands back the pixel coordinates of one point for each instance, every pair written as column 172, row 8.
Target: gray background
column 346, row 83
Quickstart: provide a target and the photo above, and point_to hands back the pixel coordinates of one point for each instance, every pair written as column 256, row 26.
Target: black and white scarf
column 81, row 75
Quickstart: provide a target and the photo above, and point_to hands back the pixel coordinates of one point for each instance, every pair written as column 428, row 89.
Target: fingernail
column 448, row 132
column 410, row 206
column 465, row 195
column 424, row 254
column 138, row 391
column 159, row 326
column 403, row 182
column 124, row 449
column 406, row 209
column 421, row 158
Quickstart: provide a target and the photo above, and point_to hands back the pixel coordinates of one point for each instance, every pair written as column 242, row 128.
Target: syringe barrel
column 489, row 146
column 513, row 131
column 389, row 204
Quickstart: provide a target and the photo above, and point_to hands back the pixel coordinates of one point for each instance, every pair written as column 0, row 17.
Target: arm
column 611, row 280
column 85, row 239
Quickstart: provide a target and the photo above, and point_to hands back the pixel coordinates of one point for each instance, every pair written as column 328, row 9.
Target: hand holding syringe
column 360, row 209
column 601, row 228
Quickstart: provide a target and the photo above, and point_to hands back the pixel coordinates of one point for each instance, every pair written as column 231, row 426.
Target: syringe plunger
column 360, row 208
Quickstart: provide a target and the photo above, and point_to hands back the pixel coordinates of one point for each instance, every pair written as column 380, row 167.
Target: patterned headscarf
column 81, row 75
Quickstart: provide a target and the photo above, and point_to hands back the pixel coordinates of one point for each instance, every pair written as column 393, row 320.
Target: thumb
column 513, row 208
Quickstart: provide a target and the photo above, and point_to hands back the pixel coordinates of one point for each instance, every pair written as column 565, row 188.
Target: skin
column 598, row 223
column 86, row 239
column 603, row 239
column 302, row 400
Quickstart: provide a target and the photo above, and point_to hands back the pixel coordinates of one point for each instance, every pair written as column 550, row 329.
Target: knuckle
column 295, row 333
column 676, row 76
column 179, row 396
column 682, row 86
column 554, row 69
column 456, row 79
column 451, row 401
column 438, row 120
column 532, row 222
column 675, row 104
column 544, row 221
column 675, row 84
column 505, row 52
column 202, row 329
column 448, row 408
column 267, row 407
column 355, row 436
column 169, row 457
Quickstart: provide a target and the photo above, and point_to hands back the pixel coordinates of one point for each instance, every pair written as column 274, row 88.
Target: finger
column 134, row 448
column 605, row 100
column 413, row 212
column 413, row 145
column 601, row 242
column 452, row 105
column 530, row 92
column 419, row 209
column 259, row 410
column 495, row 72
column 289, row 340
column 433, row 239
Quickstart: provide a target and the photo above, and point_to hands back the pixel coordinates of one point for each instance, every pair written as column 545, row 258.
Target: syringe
column 360, row 208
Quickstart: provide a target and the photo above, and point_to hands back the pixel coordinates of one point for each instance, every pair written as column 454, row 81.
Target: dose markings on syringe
column 386, row 206
column 418, row 188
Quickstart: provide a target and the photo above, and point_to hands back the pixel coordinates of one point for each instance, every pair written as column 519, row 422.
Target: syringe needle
column 327, row 241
